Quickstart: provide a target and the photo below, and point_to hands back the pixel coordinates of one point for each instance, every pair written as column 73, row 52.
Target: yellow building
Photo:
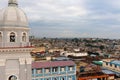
column 39, row 49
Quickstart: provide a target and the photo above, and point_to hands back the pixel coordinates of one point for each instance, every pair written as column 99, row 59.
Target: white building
column 75, row 53
column 15, row 58
column 78, row 54
column 112, row 64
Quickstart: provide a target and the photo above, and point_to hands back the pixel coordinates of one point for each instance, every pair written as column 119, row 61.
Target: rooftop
column 92, row 75
column 107, row 72
column 116, row 62
column 52, row 64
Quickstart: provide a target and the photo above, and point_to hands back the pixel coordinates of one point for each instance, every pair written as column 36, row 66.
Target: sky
column 72, row 18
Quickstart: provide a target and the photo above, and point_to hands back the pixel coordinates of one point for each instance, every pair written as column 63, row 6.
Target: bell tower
column 15, row 58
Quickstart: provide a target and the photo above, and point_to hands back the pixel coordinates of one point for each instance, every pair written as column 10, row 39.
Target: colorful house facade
column 54, row 70
column 113, row 65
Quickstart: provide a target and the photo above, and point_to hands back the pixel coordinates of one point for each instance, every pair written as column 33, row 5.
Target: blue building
column 112, row 65
column 54, row 70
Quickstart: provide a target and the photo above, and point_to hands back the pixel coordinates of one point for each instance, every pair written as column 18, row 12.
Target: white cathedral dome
column 12, row 16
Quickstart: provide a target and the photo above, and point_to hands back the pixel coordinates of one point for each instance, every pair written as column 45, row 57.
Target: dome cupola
column 12, row 16
column 14, row 30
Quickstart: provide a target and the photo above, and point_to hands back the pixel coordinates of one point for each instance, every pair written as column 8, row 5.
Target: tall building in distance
column 15, row 58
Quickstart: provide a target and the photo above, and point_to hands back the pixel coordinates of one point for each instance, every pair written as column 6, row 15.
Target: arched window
column 24, row 37
column 12, row 37
column 12, row 77
column 0, row 37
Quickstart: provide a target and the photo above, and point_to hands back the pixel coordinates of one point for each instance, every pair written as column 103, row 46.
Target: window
column 47, row 79
column 32, row 71
column 55, row 78
column 106, row 63
column 12, row 37
column 38, row 71
column 70, row 68
column 47, row 70
column 115, row 66
column 0, row 37
column 54, row 69
column 111, row 65
column 63, row 78
column 62, row 69
column 24, row 37
column 70, row 78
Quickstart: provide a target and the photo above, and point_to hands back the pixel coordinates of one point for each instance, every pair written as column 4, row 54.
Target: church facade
column 15, row 58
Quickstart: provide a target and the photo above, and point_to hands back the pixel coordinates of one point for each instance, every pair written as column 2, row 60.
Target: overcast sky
column 72, row 18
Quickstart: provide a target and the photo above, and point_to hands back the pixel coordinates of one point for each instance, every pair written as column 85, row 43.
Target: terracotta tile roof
column 52, row 64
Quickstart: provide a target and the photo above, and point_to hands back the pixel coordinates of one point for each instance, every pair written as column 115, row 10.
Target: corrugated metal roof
column 52, row 64
column 116, row 62
column 107, row 72
column 98, row 62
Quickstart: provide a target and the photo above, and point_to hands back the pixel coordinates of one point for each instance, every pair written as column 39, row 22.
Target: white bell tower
column 15, row 58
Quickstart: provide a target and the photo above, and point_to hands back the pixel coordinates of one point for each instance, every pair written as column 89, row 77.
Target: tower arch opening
column 24, row 36
column 1, row 36
column 12, row 37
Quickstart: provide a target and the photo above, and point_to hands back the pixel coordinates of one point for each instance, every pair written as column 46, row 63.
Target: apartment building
column 54, row 70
